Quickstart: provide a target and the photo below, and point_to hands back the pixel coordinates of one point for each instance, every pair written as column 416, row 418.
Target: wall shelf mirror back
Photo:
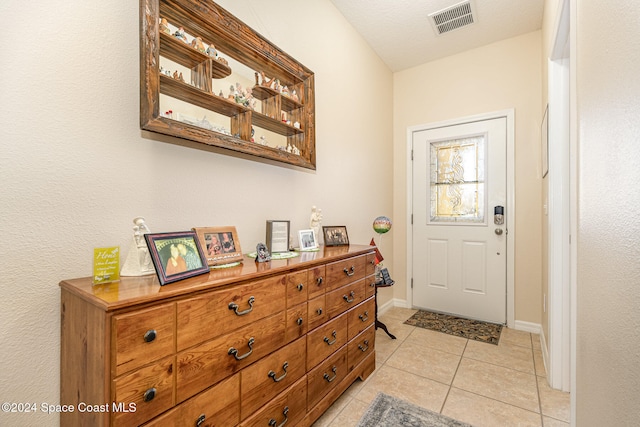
column 208, row 78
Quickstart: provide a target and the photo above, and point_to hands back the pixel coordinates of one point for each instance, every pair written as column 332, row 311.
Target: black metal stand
column 379, row 324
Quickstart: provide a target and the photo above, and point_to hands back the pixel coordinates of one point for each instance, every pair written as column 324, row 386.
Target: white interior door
column 459, row 246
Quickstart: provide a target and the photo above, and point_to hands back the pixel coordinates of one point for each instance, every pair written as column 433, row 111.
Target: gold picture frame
column 220, row 245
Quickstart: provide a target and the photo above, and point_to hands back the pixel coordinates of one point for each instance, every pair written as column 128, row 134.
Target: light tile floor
column 478, row 383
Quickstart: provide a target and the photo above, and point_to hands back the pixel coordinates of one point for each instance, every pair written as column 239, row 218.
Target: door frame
column 562, row 207
column 509, row 114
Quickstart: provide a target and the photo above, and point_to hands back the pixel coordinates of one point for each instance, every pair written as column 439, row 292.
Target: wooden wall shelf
column 238, row 42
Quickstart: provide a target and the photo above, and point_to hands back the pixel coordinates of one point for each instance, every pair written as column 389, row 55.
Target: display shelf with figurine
column 187, row 46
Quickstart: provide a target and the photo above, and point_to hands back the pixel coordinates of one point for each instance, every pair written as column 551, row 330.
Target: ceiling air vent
column 452, row 18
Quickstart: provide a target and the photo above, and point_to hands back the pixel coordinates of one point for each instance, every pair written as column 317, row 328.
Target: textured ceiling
column 399, row 31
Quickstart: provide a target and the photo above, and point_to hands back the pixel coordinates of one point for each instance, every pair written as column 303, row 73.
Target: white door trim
column 560, row 201
column 509, row 114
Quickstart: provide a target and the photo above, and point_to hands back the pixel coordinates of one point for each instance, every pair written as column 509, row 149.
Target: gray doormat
column 466, row 328
column 389, row 411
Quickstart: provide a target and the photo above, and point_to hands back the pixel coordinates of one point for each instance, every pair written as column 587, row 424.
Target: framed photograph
column 176, row 256
column 335, row 236
column 307, row 239
column 221, row 245
column 277, row 236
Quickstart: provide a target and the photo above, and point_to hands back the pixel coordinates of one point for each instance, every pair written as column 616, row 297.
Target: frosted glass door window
column 457, row 180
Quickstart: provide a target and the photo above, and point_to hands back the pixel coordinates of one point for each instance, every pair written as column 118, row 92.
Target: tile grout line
column 454, row 377
column 535, row 373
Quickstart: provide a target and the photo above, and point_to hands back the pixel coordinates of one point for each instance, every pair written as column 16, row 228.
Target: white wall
column 608, row 268
column 75, row 169
column 496, row 77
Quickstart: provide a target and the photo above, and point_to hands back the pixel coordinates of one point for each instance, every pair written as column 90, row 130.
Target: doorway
column 460, row 242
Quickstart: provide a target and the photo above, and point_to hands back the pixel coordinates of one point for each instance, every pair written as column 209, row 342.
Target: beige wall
column 608, row 267
column 76, row 169
column 499, row 76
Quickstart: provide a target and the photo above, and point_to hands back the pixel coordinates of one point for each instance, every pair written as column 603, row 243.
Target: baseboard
column 521, row 325
column 394, row 302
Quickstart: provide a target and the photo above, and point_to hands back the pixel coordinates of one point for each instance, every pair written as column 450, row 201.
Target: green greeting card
column 106, row 265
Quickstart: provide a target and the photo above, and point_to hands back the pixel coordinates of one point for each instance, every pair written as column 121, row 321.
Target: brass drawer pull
column 299, row 321
column 319, row 280
column 272, row 374
column 274, row 423
column 335, row 338
column 233, row 306
column 350, row 272
column 319, row 311
column 149, row 394
column 364, row 317
column 353, row 297
column 366, row 346
column 234, row 352
column 150, row 335
column 300, row 286
column 200, row 420
column 329, row 379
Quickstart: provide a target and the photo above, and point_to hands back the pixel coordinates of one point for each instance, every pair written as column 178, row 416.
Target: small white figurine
column 211, row 51
column 315, row 220
column 164, row 26
column 197, row 44
column 138, row 262
column 181, row 34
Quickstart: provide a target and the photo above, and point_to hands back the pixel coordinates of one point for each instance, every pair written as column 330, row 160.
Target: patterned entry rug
column 389, row 411
column 458, row 326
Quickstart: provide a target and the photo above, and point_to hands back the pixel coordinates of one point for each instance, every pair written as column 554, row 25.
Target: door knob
column 499, row 231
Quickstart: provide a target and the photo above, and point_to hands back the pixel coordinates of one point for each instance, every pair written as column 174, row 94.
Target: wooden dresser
column 251, row 345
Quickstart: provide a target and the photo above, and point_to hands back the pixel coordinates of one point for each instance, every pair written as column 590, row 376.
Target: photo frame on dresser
column 221, row 245
column 278, row 236
column 308, row 240
column 176, row 255
column 335, row 235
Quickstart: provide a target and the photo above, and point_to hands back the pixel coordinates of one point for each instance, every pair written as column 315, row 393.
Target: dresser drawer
column 341, row 300
column 297, row 288
column 323, row 378
column 317, row 312
column 361, row 317
column 317, row 281
column 370, row 265
column 204, row 317
column 204, row 365
column 217, row 406
column 369, row 286
column 297, row 322
column 346, row 271
column 149, row 388
column 325, row 340
column 288, row 408
column 270, row 376
column 361, row 346
column 143, row 336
